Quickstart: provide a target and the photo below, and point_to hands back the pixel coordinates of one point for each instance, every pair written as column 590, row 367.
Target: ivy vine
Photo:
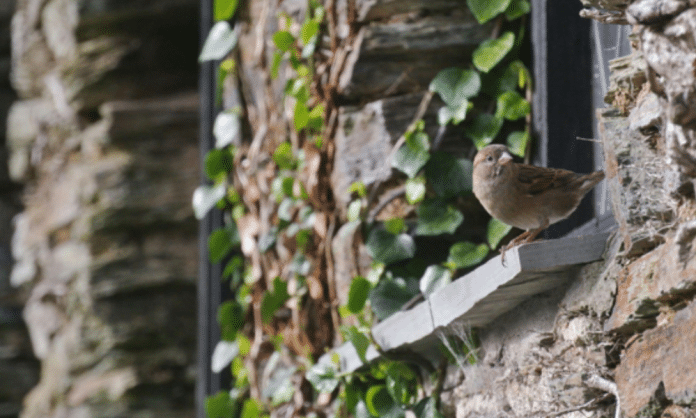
column 489, row 98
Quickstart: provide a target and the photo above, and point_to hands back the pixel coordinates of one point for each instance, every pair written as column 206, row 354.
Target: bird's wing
column 536, row 180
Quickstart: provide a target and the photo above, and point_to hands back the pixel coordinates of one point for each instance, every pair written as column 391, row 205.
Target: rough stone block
column 661, row 355
column 656, row 278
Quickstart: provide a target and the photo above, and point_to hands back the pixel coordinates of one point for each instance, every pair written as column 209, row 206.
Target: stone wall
column 18, row 366
column 623, row 331
column 103, row 139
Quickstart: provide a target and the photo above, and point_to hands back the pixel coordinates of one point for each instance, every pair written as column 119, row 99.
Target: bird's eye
column 489, row 159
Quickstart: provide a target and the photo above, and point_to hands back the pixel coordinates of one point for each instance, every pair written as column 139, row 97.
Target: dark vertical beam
column 562, row 102
column 209, row 284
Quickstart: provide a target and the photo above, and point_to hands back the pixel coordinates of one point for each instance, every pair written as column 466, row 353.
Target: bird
column 526, row 196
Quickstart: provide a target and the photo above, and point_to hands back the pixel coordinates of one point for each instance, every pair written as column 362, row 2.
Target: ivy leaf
column 426, row 409
column 221, row 242
column 359, row 341
column 389, row 296
column 316, row 118
column 448, row 176
column 517, row 8
column 283, row 40
column 401, row 383
column 283, row 156
column 205, row 197
column 308, row 30
column 224, row 9
column 275, row 64
column 435, row 217
column 491, row 52
column 413, row 154
column 221, row 39
column 226, row 129
column 456, row 85
column 301, row 118
column 251, row 409
column 230, row 317
column 466, row 254
column 220, row 405
column 434, row 278
column 357, row 295
column 517, row 142
column 496, row 232
column 388, row 248
column 511, row 106
column 380, row 403
column 454, row 114
column 415, row 189
column 485, row 10
column 323, row 376
column 273, row 300
column 218, row 163
column 353, row 212
column 224, row 353
column 483, row 129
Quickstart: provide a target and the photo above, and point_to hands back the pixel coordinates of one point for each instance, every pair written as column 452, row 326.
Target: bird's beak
column 505, row 158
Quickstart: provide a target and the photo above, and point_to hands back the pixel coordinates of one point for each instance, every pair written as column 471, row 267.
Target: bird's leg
column 523, row 238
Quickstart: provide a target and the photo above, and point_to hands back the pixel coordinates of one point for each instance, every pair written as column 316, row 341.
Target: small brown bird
column 525, row 196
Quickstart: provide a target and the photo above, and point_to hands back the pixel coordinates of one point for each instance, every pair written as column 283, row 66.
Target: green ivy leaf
column 358, row 187
column 218, row 163
column 220, row 405
column 483, row 129
column 401, row 383
column 454, row 114
column 389, row 296
column 308, row 31
column 273, row 300
column 323, row 376
column 511, row 106
column 252, row 409
column 466, row 254
column 283, row 40
column 434, row 278
column 316, row 118
column 395, row 225
column 455, row 86
column 275, row 65
column 388, row 248
column 517, row 9
column 359, row 340
column 415, row 189
column 224, row 9
column 496, row 232
column 221, row 242
column 354, row 209
column 206, row 197
column 435, row 217
column 226, row 129
column 485, row 10
column 491, row 52
column 517, row 142
column 301, row 115
column 224, row 353
column 221, row 40
column 448, row 176
column 425, row 408
column 230, row 317
column 283, row 156
column 357, row 295
column 413, row 154
column 380, row 403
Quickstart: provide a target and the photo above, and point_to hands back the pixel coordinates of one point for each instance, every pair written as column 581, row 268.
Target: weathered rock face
column 104, row 138
column 650, row 146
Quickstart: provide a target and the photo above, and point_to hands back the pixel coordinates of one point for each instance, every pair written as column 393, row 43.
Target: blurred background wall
column 98, row 243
